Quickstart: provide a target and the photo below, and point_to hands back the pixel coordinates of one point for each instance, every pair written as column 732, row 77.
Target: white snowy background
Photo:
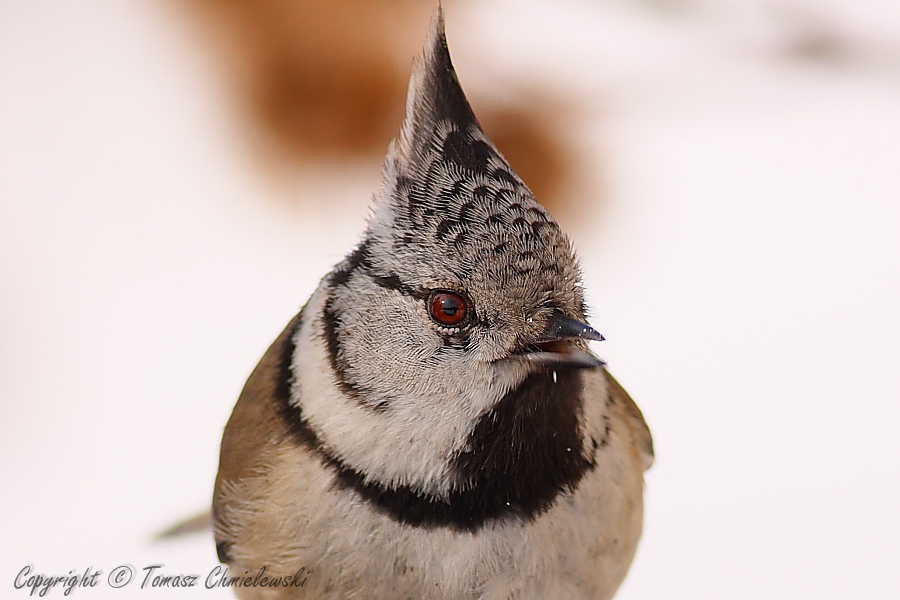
column 744, row 268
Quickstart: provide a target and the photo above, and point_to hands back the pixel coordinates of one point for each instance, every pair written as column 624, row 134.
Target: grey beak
column 552, row 349
column 562, row 327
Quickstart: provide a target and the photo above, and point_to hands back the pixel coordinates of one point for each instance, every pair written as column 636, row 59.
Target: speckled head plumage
column 453, row 210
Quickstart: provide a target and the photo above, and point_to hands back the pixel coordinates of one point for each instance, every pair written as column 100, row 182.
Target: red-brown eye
column 447, row 308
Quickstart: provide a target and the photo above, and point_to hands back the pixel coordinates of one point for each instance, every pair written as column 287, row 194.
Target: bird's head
column 461, row 313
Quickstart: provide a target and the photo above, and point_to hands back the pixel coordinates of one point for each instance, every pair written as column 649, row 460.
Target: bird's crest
column 451, row 195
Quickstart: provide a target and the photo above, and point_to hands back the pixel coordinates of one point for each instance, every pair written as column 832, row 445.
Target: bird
column 433, row 423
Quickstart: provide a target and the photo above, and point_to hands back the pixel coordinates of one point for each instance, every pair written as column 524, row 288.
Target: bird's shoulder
column 253, row 433
column 634, row 417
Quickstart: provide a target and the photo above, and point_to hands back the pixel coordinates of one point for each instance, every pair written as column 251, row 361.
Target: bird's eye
column 447, row 308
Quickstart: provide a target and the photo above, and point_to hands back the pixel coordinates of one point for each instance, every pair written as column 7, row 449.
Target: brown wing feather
column 252, row 433
column 641, row 431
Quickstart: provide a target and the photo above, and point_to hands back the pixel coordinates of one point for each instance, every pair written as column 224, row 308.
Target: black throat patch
column 527, row 450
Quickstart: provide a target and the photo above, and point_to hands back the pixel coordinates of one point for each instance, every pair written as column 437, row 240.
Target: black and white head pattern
column 454, row 209
column 437, row 428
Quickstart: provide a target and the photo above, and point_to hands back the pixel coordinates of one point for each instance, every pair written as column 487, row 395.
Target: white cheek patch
column 411, row 441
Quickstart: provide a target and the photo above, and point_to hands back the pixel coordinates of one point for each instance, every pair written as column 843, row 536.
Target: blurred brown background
column 326, row 81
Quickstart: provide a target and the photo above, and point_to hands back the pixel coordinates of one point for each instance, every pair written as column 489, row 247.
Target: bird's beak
column 554, row 348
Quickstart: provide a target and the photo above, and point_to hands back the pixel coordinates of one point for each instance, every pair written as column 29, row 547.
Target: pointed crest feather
column 434, row 95
column 452, row 209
